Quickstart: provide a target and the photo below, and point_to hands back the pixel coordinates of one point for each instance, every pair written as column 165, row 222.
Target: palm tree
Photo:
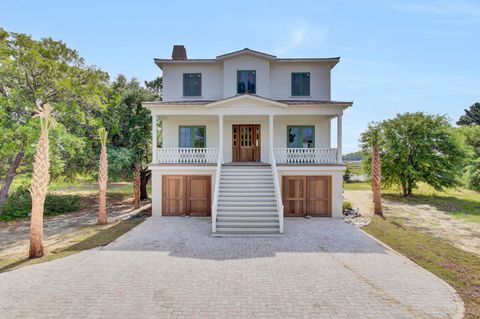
column 102, row 178
column 376, row 173
column 40, row 177
column 136, row 185
column 371, row 143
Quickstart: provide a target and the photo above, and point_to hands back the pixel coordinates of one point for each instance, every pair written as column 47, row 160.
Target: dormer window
column 192, row 84
column 246, row 82
column 300, row 84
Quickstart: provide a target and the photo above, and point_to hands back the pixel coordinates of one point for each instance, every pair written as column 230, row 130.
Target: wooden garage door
column 186, row 195
column 307, row 195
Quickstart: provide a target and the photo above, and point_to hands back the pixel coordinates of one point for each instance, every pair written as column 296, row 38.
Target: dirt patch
column 61, row 228
column 424, row 218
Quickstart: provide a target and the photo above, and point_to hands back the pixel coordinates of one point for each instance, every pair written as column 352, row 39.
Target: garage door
column 186, row 194
column 307, row 195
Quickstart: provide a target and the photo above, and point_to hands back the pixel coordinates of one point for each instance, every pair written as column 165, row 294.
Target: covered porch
column 235, row 138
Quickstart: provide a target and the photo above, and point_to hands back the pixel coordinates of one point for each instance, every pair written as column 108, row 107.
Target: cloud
column 300, row 35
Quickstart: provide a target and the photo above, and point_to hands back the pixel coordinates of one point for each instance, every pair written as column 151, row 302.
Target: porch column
column 339, row 138
column 154, row 138
column 220, row 137
column 270, row 135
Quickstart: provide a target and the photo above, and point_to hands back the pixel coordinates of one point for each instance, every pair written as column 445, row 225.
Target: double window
column 246, row 82
column 301, row 136
column 300, row 84
column 192, row 84
column 192, row 136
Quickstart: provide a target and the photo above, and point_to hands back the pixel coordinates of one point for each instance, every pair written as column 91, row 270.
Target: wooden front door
column 186, row 194
column 246, row 140
column 307, row 195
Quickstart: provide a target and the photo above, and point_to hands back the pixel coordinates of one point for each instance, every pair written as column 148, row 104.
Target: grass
column 459, row 202
column 459, row 268
column 91, row 237
column 357, row 186
column 355, row 167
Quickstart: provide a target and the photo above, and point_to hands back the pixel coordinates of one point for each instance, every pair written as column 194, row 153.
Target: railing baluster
column 296, row 156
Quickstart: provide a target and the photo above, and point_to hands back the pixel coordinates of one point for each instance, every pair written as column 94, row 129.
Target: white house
column 246, row 139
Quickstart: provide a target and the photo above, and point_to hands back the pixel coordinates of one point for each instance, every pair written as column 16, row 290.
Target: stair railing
column 277, row 191
column 216, row 192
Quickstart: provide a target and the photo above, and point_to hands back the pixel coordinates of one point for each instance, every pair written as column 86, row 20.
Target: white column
column 339, row 138
column 154, row 138
column 220, row 137
column 270, row 135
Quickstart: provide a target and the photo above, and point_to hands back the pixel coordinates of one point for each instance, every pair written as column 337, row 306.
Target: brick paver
column 171, row 267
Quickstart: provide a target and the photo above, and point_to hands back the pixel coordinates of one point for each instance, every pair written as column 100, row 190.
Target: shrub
column 347, row 205
column 19, row 204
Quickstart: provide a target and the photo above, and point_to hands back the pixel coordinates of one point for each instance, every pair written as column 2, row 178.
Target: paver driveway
column 171, row 267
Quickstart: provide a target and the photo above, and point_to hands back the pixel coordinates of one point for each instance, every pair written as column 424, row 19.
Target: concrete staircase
column 246, row 202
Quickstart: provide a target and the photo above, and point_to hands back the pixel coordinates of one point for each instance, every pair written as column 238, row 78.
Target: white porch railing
column 187, row 155
column 278, row 194
column 305, row 155
column 216, row 193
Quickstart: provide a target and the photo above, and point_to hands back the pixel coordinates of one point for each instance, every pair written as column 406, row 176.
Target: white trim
column 245, row 97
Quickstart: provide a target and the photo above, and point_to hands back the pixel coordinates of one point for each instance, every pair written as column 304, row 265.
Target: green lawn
column 459, row 268
column 357, row 186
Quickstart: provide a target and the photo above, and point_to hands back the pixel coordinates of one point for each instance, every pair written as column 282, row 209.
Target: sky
column 396, row 55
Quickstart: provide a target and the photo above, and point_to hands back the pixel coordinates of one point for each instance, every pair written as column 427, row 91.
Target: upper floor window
column 300, row 84
column 299, row 136
column 246, row 82
column 192, row 136
column 192, row 84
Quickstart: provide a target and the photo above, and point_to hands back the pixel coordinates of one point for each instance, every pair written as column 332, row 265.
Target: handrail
column 306, row 155
column 277, row 191
column 187, row 155
column 216, row 193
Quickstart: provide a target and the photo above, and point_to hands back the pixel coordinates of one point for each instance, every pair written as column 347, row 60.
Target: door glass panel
column 257, row 140
column 234, row 136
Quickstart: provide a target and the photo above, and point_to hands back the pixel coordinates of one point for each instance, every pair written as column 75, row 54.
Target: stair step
column 246, row 185
column 245, row 195
column 271, row 203
column 257, row 224
column 247, row 170
column 247, row 208
column 247, row 178
column 253, row 213
column 247, row 230
column 246, row 219
column 250, row 198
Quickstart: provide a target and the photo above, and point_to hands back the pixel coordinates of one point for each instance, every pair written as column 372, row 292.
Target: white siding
column 246, row 62
column 281, row 80
column 212, row 84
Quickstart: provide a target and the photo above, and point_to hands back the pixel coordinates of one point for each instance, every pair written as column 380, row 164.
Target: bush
column 347, row 205
column 19, row 204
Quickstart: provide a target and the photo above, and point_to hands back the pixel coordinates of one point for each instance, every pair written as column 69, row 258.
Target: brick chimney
column 179, row 52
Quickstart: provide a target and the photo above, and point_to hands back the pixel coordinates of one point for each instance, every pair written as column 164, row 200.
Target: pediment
column 249, row 99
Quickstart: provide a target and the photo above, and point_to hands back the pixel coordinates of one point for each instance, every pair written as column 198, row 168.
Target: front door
column 246, row 142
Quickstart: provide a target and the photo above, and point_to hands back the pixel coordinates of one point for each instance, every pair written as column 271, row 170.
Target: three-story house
column 246, row 139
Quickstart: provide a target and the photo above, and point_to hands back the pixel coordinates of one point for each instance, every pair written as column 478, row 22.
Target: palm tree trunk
column 102, row 182
column 376, row 181
column 136, row 185
column 39, row 186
